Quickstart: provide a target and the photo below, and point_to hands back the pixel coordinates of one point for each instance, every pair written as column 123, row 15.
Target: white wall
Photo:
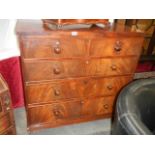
column 8, row 41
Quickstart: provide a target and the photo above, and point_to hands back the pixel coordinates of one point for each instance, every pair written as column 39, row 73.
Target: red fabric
column 10, row 70
column 144, row 67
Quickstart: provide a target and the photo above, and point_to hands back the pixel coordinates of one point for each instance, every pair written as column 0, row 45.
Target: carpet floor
column 99, row 127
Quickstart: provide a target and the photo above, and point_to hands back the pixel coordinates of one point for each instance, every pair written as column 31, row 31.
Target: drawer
column 115, row 47
column 64, row 111
column 66, row 89
column 54, row 48
column 54, row 112
column 110, row 67
column 5, row 122
column 99, row 106
column 48, row 70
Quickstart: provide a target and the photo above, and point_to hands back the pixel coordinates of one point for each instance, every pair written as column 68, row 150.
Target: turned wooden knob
column 113, row 67
column 56, row 112
column 109, row 87
column 57, row 50
column 57, row 92
column 56, row 71
column 105, row 106
column 118, row 46
column 82, row 102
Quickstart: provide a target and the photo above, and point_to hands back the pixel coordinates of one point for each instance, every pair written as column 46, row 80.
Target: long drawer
column 58, row 111
column 77, row 88
column 74, row 47
column 48, row 70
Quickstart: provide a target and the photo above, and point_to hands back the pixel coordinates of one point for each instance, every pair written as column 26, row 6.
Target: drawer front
column 48, row 70
column 54, row 112
column 115, row 66
column 63, row 111
column 99, row 106
column 5, row 122
column 115, row 47
column 54, row 48
column 46, row 92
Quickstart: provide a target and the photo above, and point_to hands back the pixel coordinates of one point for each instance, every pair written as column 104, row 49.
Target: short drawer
column 54, row 113
column 48, row 70
column 99, row 106
column 110, row 67
column 77, row 88
column 54, row 48
column 115, row 47
column 5, row 122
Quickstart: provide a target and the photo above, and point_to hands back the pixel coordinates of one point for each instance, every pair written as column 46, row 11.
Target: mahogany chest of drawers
column 72, row 76
column 7, row 125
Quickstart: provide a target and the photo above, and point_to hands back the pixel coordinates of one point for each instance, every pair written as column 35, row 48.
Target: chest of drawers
column 7, row 125
column 72, row 76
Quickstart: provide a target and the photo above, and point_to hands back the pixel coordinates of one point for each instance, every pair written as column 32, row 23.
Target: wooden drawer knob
column 57, row 50
column 105, row 106
column 56, row 71
column 113, row 67
column 56, row 92
column 118, row 46
column 57, row 113
column 82, row 102
column 110, row 87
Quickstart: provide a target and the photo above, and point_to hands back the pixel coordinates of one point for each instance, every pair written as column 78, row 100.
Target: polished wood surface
column 76, row 88
column 72, row 76
column 75, row 21
column 35, row 27
column 7, row 125
column 58, row 112
column 77, row 68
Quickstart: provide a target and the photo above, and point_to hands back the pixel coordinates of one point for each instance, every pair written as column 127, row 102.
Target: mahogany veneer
column 72, row 76
column 7, row 124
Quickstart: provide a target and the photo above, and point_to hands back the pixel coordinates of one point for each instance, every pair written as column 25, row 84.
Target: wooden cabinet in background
column 73, row 76
column 7, row 125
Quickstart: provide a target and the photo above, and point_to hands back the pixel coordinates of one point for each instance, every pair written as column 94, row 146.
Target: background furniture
column 146, row 62
column 135, row 109
column 7, row 125
column 9, row 61
column 11, row 72
column 73, row 76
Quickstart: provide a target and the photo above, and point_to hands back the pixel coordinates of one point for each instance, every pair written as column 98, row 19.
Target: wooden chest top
column 35, row 27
